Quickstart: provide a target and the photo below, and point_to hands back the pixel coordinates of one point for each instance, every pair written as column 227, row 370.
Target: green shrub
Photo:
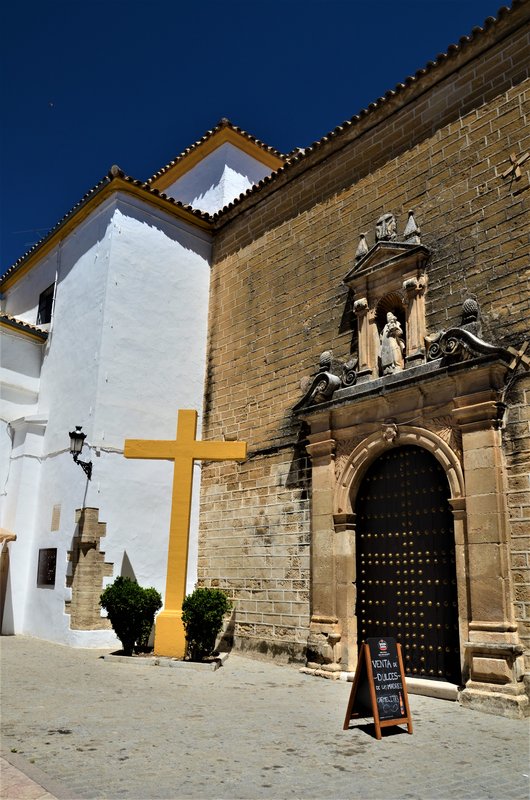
column 202, row 615
column 131, row 610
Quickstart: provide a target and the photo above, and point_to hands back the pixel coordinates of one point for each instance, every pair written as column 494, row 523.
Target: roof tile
column 20, row 324
column 114, row 173
column 223, row 123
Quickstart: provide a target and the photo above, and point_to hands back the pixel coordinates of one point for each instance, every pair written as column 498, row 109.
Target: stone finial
column 385, row 228
column 411, row 234
column 471, row 317
column 324, row 362
column 362, row 247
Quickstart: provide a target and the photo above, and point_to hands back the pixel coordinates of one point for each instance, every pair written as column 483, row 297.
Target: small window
column 46, row 569
column 45, row 306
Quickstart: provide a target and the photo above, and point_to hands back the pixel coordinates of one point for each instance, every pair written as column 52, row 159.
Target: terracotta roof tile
column 114, row 173
column 223, row 123
column 20, row 325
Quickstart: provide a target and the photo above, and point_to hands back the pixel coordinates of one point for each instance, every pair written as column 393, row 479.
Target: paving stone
column 252, row 729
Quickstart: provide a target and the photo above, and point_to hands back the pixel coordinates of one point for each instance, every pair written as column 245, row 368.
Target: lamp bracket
column 86, row 466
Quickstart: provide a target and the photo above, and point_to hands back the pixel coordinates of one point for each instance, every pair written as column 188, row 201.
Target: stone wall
column 517, row 449
column 87, row 571
column 439, row 147
column 256, row 520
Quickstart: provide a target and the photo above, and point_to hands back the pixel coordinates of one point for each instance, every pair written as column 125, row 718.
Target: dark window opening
column 44, row 314
column 46, row 568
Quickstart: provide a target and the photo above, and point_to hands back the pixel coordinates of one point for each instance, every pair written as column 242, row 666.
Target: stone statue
column 385, row 228
column 392, row 346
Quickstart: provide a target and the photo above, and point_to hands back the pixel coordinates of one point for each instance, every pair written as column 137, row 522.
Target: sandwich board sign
column 379, row 689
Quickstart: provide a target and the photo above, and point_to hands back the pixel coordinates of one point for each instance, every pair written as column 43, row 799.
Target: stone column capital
column 477, row 412
column 360, row 306
column 344, row 522
column 415, row 286
column 458, row 505
column 322, row 451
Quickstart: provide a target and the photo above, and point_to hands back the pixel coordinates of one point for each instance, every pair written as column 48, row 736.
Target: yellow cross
column 170, row 638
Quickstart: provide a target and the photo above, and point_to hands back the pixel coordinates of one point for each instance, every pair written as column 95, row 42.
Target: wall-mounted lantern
column 77, row 440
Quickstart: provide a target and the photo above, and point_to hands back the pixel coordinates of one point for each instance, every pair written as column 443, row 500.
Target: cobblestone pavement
column 250, row 730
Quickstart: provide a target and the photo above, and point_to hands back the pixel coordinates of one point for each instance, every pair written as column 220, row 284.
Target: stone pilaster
column 367, row 340
column 458, row 506
column 346, row 589
column 416, row 329
column 324, row 632
column 493, row 655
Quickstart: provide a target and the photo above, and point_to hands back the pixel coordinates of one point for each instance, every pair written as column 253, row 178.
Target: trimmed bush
column 131, row 610
column 202, row 614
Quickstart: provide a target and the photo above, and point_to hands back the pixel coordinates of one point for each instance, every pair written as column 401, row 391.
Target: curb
column 163, row 661
column 440, row 690
column 37, row 776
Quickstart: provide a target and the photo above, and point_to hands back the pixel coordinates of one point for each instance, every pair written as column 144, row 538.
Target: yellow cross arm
column 200, row 450
column 219, row 451
column 148, row 448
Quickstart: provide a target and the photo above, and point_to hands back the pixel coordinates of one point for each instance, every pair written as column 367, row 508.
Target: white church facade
column 104, row 326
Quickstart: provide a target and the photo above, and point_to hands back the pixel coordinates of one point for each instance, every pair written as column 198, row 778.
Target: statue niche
column 391, row 355
column 391, row 326
column 388, row 283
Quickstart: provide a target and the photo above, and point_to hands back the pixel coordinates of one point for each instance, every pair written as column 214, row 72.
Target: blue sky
column 91, row 83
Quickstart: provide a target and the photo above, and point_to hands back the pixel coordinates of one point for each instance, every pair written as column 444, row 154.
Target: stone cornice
column 432, row 383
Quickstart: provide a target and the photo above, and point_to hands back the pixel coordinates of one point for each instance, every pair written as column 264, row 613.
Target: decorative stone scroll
column 331, row 376
column 464, row 342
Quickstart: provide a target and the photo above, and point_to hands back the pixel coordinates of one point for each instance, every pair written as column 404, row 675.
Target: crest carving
column 389, row 431
column 344, row 448
column 446, row 428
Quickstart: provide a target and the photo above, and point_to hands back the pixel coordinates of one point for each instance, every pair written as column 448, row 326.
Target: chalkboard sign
column 379, row 687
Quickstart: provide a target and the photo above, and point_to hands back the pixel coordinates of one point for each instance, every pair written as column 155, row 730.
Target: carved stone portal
column 456, row 419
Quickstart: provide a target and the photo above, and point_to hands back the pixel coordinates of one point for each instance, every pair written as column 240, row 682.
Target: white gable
column 218, row 179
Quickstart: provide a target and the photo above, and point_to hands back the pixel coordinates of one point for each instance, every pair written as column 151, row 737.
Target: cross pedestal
column 170, row 639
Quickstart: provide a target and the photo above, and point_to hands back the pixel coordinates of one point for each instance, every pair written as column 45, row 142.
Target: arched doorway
column 405, row 561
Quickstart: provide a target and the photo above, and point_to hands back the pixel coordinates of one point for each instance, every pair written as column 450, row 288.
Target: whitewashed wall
column 218, row 179
column 126, row 349
column 20, row 365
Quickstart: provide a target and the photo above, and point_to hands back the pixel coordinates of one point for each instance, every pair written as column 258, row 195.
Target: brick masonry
column 88, row 568
column 278, row 301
